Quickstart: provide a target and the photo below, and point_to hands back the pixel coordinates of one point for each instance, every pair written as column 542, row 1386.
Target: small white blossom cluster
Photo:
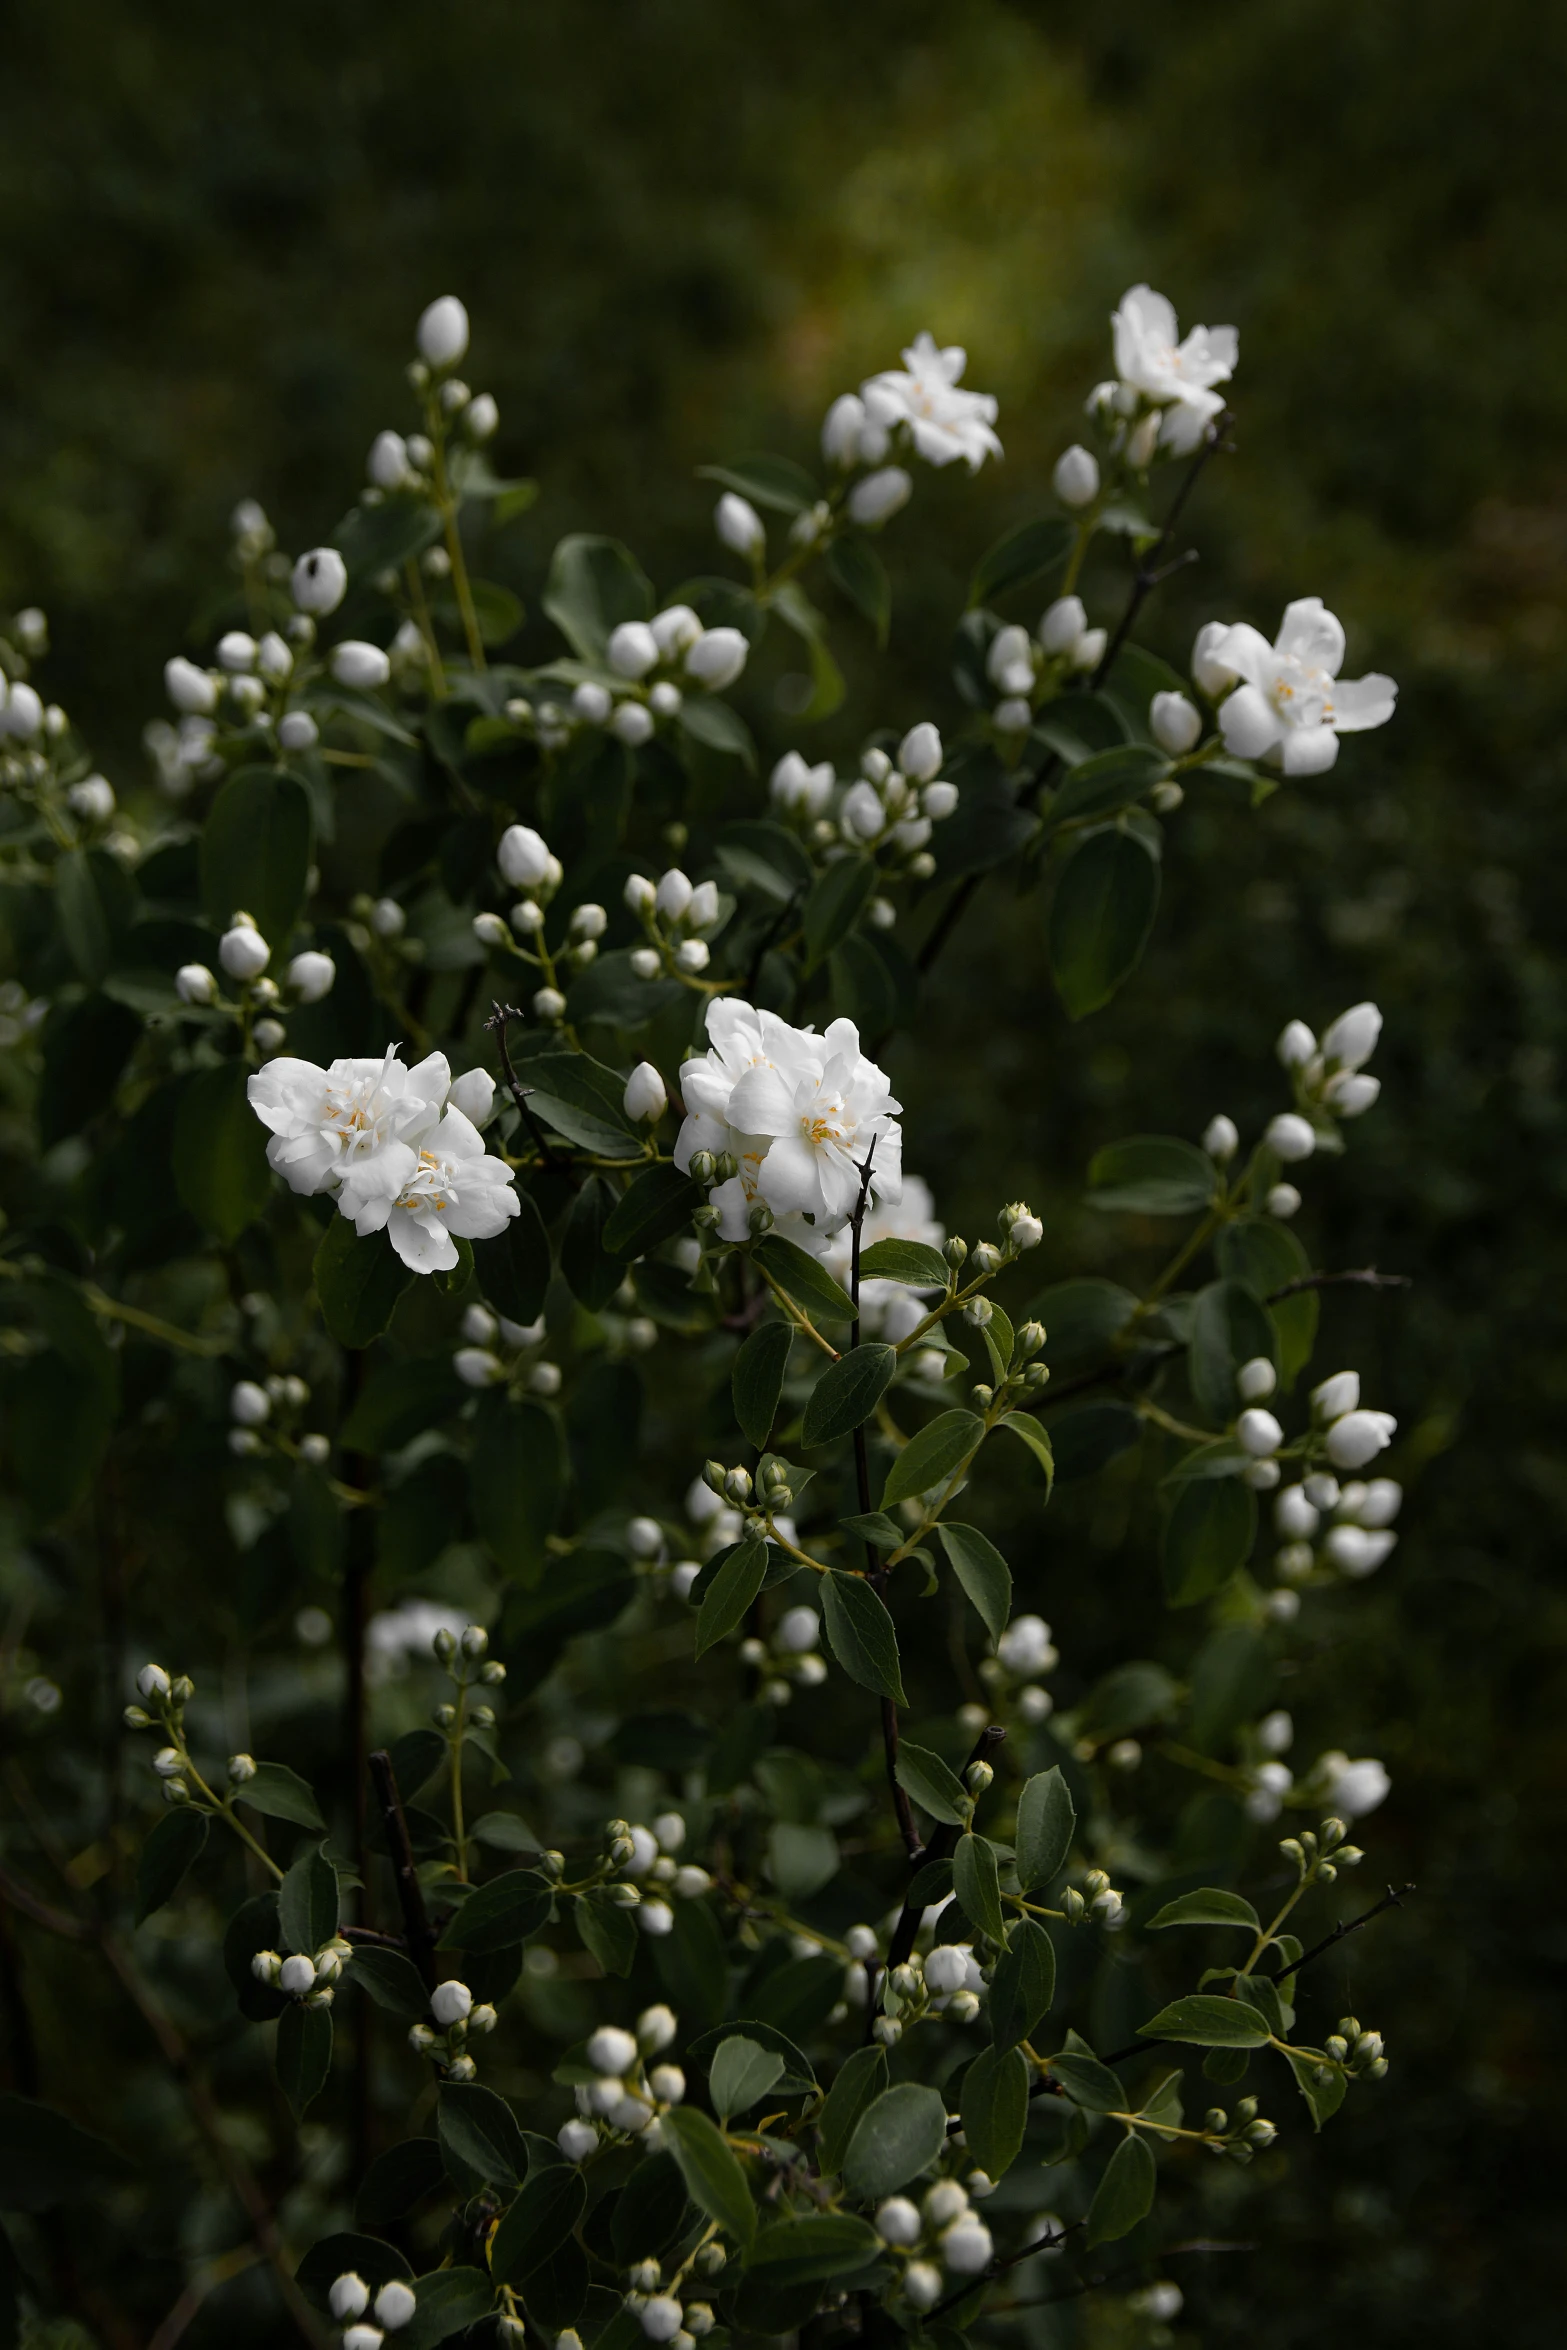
column 1269, row 1779
column 397, row 1148
column 891, row 805
column 649, row 668
column 678, row 917
column 1330, row 1085
column 627, row 2093
column 1333, row 1530
column 41, row 760
column 1349, row 1436
column 263, row 1412
column 921, row 409
column 527, row 863
column 789, row 1658
column 244, row 956
column 1024, row 668
column 408, row 464
column 937, row 2240
column 790, row 1117
column 521, row 1368
column 311, row 1979
column 1285, row 703
column 457, row 2015
column 648, row 1872
column 1025, row 1652
column 947, row 1980
column 349, row 2299
column 1163, row 395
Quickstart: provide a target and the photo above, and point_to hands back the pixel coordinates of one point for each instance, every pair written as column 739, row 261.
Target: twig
column 410, row 1894
column 185, row 2308
column 1364, row 1277
column 496, row 1024
column 1149, row 572
column 1048, row 2242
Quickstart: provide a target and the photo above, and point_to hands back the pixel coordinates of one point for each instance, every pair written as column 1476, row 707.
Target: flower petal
column 1309, row 632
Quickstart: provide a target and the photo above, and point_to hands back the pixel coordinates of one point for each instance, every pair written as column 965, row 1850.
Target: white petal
column 1363, row 702
column 1310, row 632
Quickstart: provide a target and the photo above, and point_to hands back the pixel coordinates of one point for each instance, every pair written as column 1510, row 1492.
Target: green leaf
column 757, row 1380
column 796, row 2079
column 717, row 727
column 1086, row 2081
column 929, row 1458
column 1207, row 2022
column 592, row 1274
column 934, row 1787
column 1152, row 1175
column 912, row 1262
column 656, row 1206
column 399, row 1401
column 803, row 1278
column 174, row 1843
column 1229, row 1327
column 1028, row 1432
column 762, row 856
column 1207, row 1537
column 1023, row 1985
column 812, row 2248
column 513, row 1270
column 714, row 2179
column 1105, row 900
column 607, row 1930
column 854, row 565
column 255, row 853
column 776, row 482
column 1212, row 1906
column 1082, row 1319
column 650, row 2210
column 899, row 2134
column 835, row 904
column 847, row 1393
column 861, row 2079
column 1125, row 2193
column 398, row 2179
column 307, row 1902
column 801, row 1858
column 1025, row 555
column 731, row 1592
column 860, row 1634
column 976, row 1880
column 1323, row 2095
column 330, row 2256
column 995, row 2107
column 876, row 1528
column 1231, row 1683
column 548, row 2209
column 220, row 1152
column 392, row 1981
column 1046, row 1822
column 1090, row 1436
column 281, row 1794
column 1107, row 782
column 480, row 2130
column 1129, row 1698
column 795, row 609
column 1267, row 1256
column 304, row 2054
column 594, row 584
column 516, row 1475
column 357, row 1282
column 94, row 903
column 742, row 2073
column 501, row 1914
column 450, row 2301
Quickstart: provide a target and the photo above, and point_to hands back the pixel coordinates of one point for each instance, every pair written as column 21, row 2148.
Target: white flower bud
column 1293, row 1515
column 1356, row 1552
column 966, row 2247
column 1258, row 1433
column 1025, row 1231
column 490, row 930
column 362, row 2337
column 1378, row 1503
column 661, row 2317
column 442, row 332
column 703, row 909
column 1025, row 1646
column 298, row 731
column 739, row 526
column 153, row 1681
column 1063, row 624
column 355, row 663
column 190, row 689
column 1336, row 1396
column 312, row 975
column 1174, row 722
column 387, row 464
column 169, row 1763
column 919, row 753
column 1283, row 1201
column 1221, row 1139
column 841, row 429
column 249, row 1404
column 394, row 2305
column 655, row 1917
column 297, row 1975
column 1256, row 1380
column 879, row 496
column 692, row 956
column 632, row 724
column 1350, row 1095
column 548, row 1004
column 319, row 582
column 717, row 658
column 387, row 918
column 1089, row 649
column 1359, row 1437
column 656, row 2026
column 1076, row 476
column 1352, row 1038
column 475, row 1366
column 577, row 2140
column 451, row 2003
column 92, row 799
column 675, row 630
column 690, row 1882
column 1261, row 1476
column 1296, row 1045
column 633, row 649
column 592, row 701
column 673, row 895
column 522, row 856
column 1290, row 1137
column 195, row 984
column 898, row 2222
column 923, row 2284
column 946, row 1969
column 611, row 2050
column 349, row 2297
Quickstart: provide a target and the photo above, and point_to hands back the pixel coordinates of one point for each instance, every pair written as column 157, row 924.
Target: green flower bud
column 978, row 1777
column 704, row 1168
column 955, row 1251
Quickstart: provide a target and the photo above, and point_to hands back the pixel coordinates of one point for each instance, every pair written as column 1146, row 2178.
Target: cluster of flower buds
column 244, row 955
column 1330, row 1530
column 662, row 2315
column 349, row 2300
column 263, row 1413
column 465, row 1657
column 1268, row 1780
column 627, row 2091
column 1329, row 1079
column 648, row 1871
column 789, row 1658
column 890, row 806
column 1318, row 1856
column 727, row 1503
column 1024, row 1653
column 1358, row 2053
column 1023, row 1376
column 526, row 862
column 947, row 1981
column 650, row 666
column 678, row 917
column 167, row 1695
column 479, row 1362
column 939, row 2239
column 310, row 1978
column 1098, row 1902
column 1350, row 1437
column 1023, row 669
column 919, row 410
column 457, row 2018
column 1240, row 2138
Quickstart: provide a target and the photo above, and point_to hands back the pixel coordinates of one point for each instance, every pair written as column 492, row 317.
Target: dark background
column 680, row 229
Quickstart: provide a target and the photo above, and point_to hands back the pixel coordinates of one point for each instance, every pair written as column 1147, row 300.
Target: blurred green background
column 681, row 228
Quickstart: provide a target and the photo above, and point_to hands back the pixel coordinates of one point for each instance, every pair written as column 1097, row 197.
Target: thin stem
column 410, row 1893
column 454, row 546
column 1148, row 573
column 426, row 627
column 496, row 1024
column 455, row 1775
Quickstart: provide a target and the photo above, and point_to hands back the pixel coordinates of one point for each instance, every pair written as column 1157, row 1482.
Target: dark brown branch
column 1151, row 568
column 496, row 1024
column 410, row 1893
column 1048, row 2242
column 1364, row 1277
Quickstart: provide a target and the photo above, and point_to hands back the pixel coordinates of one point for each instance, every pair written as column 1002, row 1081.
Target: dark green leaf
column 1077, row 725
column 995, row 2107
column 742, row 2073
column 657, row 1205
column 912, row 1262
column 1207, row 2022
column 717, row 727
column 650, row 2210
column 813, row 2248
column 1231, row 1683
column 977, row 1883
column 175, row 1842
column 847, row 1393
column 1228, row 1328
column 549, row 2207
column 799, row 1996
column 803, row 1278
column 1086, row 2081
column 1106, row 782
column 1023, row 1985
column 357, row 1282
column 1267, row 1256
column 1207, row 1537
column 86, row 1046
column 835, row 904
column 592, row 1274
column 1082, row 1319
column 776, row 482
column 1319, row 2082
column 255, row 853
column 855, row 566
column 450, row 2301
column 1027, row 554
column 714, row 2179
column 501, row 1914
column 304, row 2054
column 1125, row 2193
column 929, row 1458
column 516, row 1475
column 934, row 1787
column 398, row 2179
column 1036, row 1439
column 609, row 1931
column 1046, row 1821
column 514, row 1269
column 861, row 2079
column 1106, row 896
column 763, row 856
column 253, row 1927
column 220, row 1152
column 307, row 1902
column 757, row 1380
column 876, row 1528
column 899, row 2134
column 594, row 584
column 46, row 2158
column 95, row 902
column 1152, row 1175
column 1130, row 1698
column 1209, row 1907
column 801, row 1858
column 1090, row 1436
column 392, row 1981
column 731, row 1592
column 795, row 2080
column 399, row 1401
column 795, row 609
column 480, row 2130
column 860, row 1634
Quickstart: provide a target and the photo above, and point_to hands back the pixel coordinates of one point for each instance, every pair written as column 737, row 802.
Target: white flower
column 1290, row 1137
column 1333, row 1397
column 1354, row 1788
column 349, row 2297
column 800, row 1113
column 1292, row 705
column 611, row 2050
column 387, row 464
column 674, row 631
column 1375, row 1504
column 451, row 2003
column 633, row 649
column 1356, row 1552
column 1358, row 1437
column 394, row 2305
column 242, row 951
column 442, row 332
column 195, row 984
column 645, row 1097
column 522, row 856
column 966, row 2246
column 1174, row 722
column 1076, row 476
column 898, row 2222
column 1210, row 672
column 474, row 1094
column 879, row 496
column 311, row 975
column 919, row 753
column 889, row 1310
column 319, row 582
column 1176, row 376
column 190, row 689
column 862, row 813
column 357, row 664
column 717, row 658
column 1258, row 1433
column 801, row 790
column 739, row 526
column 1025, row 1647
column 943, row 422
column 431, row 1191
column 249, row 1404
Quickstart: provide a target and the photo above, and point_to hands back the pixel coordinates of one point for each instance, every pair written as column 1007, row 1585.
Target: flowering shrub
column 467, row 1061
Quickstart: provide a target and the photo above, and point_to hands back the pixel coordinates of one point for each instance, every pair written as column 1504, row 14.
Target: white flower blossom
column 1291, row 705
column 943, row 422
column 1354, row 1788
column 1176, row 376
